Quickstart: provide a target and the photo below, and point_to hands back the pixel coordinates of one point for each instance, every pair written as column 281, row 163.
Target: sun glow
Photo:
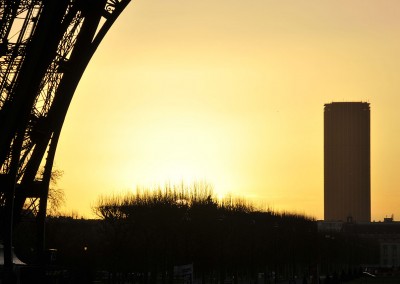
column 232, row 94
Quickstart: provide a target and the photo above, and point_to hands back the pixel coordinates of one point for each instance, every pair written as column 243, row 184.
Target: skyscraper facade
column 347, row 166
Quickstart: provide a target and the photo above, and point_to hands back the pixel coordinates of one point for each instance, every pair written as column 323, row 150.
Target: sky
column 232, row 93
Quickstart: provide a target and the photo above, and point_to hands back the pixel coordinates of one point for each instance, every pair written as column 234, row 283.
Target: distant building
column 347, row 182
column 379, row 241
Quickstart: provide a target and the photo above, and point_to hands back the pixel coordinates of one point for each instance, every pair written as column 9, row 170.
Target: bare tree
column 56, row 198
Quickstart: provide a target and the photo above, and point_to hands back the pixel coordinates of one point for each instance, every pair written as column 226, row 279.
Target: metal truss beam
column 45, row 46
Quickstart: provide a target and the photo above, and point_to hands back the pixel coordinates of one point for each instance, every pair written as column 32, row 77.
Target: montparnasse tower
column 347, row 162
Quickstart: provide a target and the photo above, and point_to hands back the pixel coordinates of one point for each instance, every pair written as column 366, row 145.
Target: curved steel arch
column 45, row 46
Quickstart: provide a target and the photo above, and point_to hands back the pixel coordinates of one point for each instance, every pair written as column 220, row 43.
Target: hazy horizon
column 232, row 93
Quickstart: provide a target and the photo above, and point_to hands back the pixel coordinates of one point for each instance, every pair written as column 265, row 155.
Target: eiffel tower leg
column 41, row 218
column 8, row 224
column 9, row 210
column 40, row 70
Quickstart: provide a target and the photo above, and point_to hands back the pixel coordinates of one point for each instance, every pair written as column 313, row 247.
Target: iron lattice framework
column 45, row 46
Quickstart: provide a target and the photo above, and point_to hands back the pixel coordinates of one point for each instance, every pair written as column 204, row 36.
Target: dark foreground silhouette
column 154, row 237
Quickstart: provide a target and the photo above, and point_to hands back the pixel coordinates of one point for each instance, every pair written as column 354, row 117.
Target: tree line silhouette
column 155, row 230
column 142, row 236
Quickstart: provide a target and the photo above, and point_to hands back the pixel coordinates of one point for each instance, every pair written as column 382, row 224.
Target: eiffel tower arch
column 45, row 46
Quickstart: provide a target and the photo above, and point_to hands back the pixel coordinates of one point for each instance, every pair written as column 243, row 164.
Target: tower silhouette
column 45, row 46
column 347, row 183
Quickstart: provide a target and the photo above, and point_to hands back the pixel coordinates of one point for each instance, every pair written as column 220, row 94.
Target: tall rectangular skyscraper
column 347, row 166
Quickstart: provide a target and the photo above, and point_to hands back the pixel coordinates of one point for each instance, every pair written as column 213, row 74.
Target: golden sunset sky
column 232, row 93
